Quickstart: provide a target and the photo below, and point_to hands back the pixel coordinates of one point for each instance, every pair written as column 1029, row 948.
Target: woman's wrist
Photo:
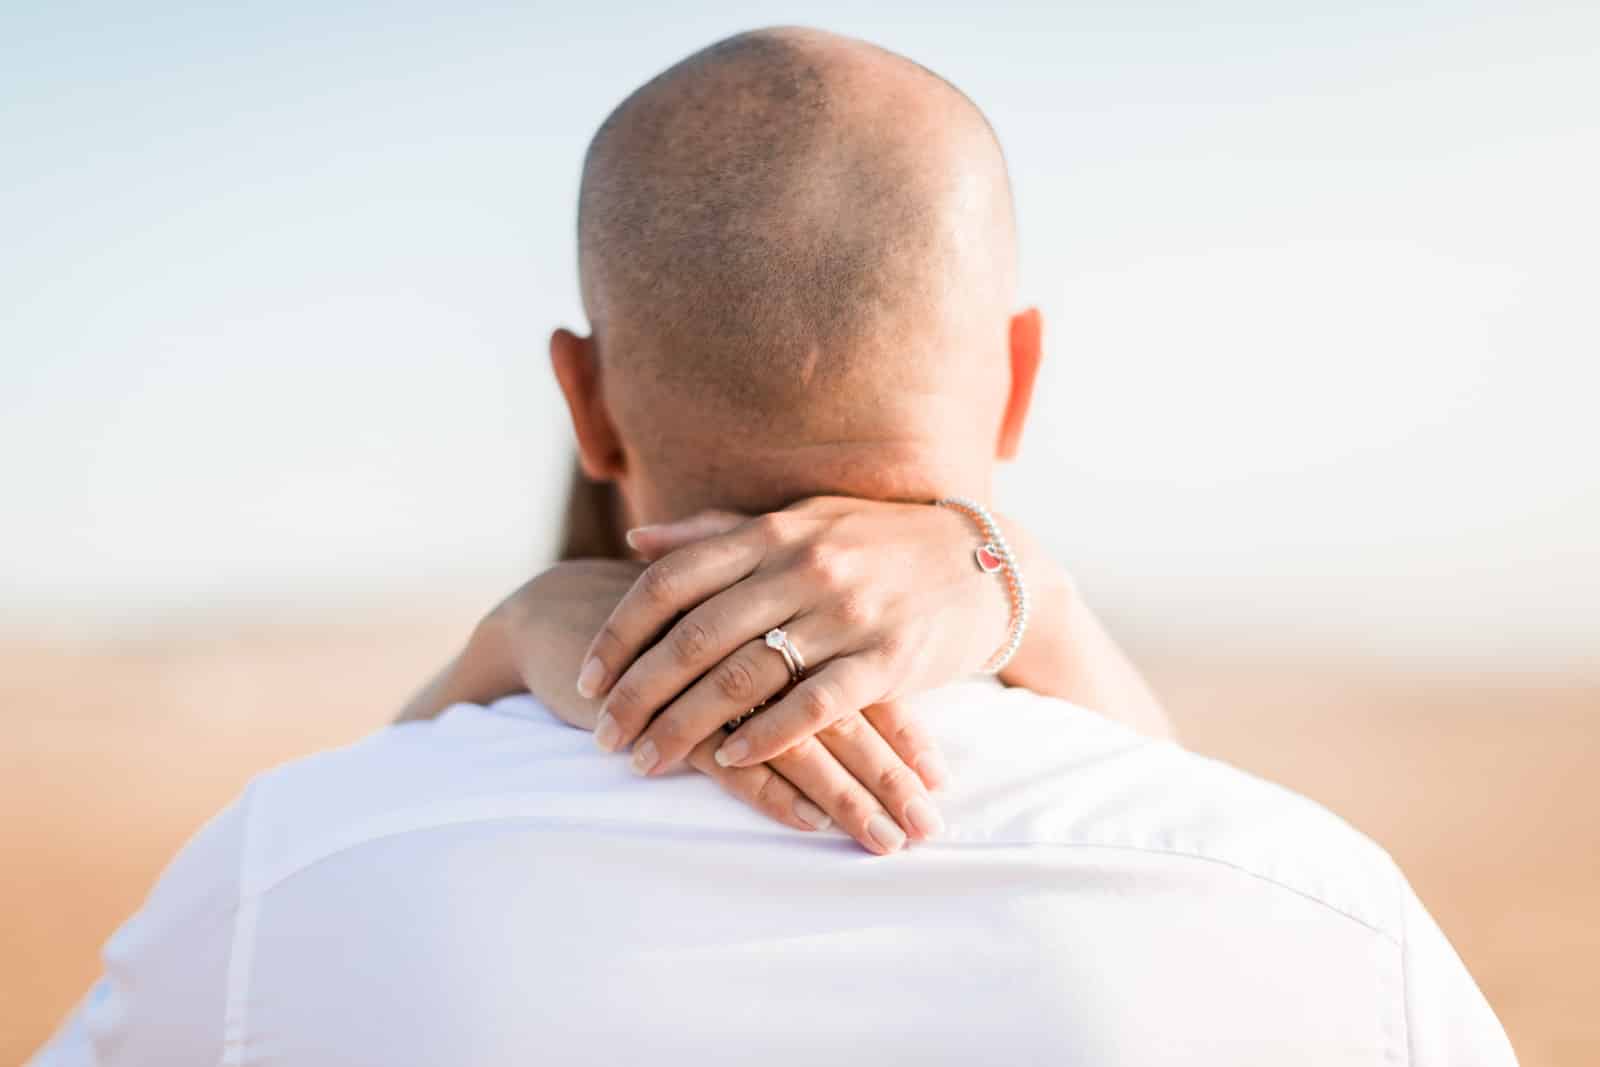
column 1039, row 663
column 980, row 616
column 994, row 556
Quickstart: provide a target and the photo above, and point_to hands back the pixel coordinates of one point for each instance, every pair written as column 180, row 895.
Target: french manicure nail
column 590, row 677
column 883, row 830
column 632, row 535
column 924, row 817
column 732, row 752
column 645, row 756
column 606, row 732
column 933, row 769
column 811, row 815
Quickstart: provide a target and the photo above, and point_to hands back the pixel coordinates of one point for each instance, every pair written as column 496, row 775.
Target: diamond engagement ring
column 779, row 641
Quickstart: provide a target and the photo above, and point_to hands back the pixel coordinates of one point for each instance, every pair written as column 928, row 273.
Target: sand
column 1486, row 791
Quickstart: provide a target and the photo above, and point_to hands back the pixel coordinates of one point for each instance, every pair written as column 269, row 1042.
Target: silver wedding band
column 779, row 641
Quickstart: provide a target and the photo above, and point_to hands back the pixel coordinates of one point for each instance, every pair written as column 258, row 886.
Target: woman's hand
column 897, row 583
column 881, row 600
column 535, row 640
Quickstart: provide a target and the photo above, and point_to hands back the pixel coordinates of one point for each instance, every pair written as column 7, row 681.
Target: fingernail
column 645, row 756
column 811, row 815
column 606, row 732
column 933, row 769
column 590, row 677
column 924, row 817
column 632, row 535
column 731, row 753
column 883, row 830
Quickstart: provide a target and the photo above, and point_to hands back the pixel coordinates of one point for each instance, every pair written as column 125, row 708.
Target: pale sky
column 1319, row 287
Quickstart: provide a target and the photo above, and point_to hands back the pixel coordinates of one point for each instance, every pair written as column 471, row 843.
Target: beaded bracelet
column 994, row 557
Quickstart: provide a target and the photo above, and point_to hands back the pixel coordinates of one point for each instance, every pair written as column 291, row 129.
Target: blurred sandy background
column 1315, row 429
column 1484, row 789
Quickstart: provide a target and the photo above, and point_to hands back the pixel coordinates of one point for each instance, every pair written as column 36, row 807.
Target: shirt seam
column 1204, row 857
column 1405, row 976
column 242, row 942
column 256, row 881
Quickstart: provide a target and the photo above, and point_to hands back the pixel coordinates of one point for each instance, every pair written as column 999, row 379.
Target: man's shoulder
column 471, row 764
column 509, row 762
column 1026, row 771
column 1048, row 773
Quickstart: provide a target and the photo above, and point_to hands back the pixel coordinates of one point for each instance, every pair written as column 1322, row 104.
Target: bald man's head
column 796, row 232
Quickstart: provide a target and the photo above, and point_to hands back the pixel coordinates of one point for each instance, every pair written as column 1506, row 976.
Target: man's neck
column 770, row 481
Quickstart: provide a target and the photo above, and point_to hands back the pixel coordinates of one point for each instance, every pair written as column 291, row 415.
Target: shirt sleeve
column 161, row 997
column 1447, row 1018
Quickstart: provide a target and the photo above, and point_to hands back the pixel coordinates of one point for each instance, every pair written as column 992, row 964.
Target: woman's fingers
column 653, row 542
column 863, row 752
column 894, row 720
column 703, row 645
column 840, row 687
column 742, row 681
column 668, row 587
column 818, row 774
column 762, row 788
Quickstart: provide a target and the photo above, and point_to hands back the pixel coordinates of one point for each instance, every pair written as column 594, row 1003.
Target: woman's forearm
column 429, row 700
column 483, row 671
column 533, row 641
column 1067, row 654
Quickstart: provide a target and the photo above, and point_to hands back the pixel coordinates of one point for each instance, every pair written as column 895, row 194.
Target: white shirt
column 491, row 889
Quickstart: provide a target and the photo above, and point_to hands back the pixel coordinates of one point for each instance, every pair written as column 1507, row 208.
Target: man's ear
column 578, row 372
column 1027, row 334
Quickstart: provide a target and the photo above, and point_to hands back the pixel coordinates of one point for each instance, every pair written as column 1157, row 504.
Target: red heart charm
column 989, row 560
